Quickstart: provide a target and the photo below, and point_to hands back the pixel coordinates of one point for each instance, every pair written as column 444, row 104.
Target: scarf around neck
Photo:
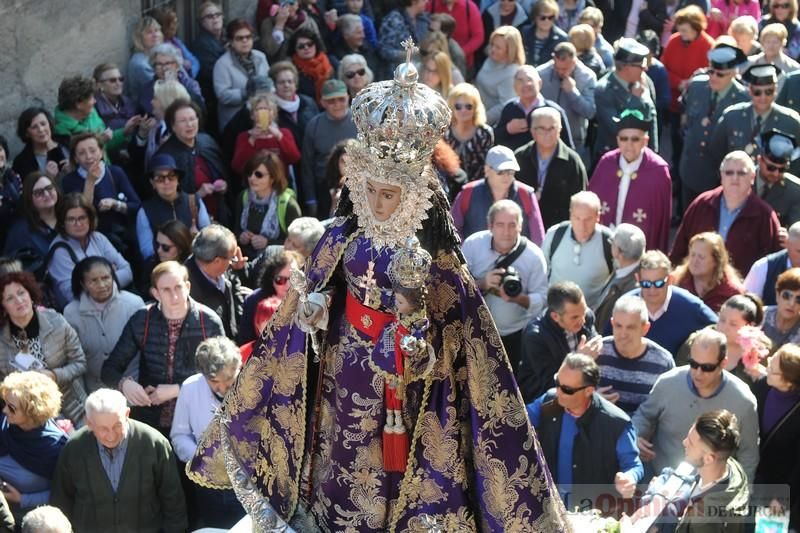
column 269, row 225
column 318, row 68
column 290, row 106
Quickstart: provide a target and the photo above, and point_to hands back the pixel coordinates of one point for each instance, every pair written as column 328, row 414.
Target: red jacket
column 469, row 25
column 753, row 234
column 716, row 296
column 286, row 149
column 682, row 61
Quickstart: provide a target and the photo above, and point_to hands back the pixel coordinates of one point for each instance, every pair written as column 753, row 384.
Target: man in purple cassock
column 633, row 182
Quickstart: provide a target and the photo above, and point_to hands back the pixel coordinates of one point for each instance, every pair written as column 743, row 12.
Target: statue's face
column 383, row 199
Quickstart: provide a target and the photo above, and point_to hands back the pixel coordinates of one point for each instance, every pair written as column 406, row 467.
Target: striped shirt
column 632, row 378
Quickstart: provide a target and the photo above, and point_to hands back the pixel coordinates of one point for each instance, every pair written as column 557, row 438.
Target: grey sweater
column 672, row 407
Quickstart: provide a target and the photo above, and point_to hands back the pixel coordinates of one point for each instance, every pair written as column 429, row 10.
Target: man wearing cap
column 633, row 182
column 322, row 133
column 774, row 184
column 626, row 87
column 472, row 204
column 742, row 124
column 491, row 255
column 168, row 203
column 550, row 166
column 707, row 97
column 570, row 84
column 748, row 225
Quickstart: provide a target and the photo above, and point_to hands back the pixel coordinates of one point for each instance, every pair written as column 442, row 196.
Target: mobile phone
column 262, row 119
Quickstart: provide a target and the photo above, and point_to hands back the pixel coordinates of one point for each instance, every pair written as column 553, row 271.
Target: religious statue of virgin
column 379, row 397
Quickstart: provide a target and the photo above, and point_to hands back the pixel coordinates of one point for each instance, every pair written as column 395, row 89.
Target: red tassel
column 395, row 451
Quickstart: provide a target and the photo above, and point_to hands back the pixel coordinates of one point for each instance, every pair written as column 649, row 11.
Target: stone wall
column 43, row 41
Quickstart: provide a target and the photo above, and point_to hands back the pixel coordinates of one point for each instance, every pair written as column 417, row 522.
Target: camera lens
column 512, row 285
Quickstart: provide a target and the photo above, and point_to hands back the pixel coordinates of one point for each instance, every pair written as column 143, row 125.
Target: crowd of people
column 622, row 177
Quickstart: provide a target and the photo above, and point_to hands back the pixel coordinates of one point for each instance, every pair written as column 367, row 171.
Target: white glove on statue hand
column 313, row 313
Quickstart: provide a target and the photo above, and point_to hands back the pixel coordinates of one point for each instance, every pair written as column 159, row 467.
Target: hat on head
column 778, row 146
column 501, row 158
column 632, row 118
column 726, row 57
column 333, row 89
column 631, row 52
column 164, row 162
column 761, row 75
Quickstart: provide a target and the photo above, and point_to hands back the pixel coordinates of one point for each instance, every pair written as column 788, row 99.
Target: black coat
column 544, row 347
column 206, row 147
column 228, row 305
column 566, row 175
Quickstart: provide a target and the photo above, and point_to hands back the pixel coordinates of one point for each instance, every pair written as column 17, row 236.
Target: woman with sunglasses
column 315, row 67
column 785, row 12
column 778, row 398
column 98, row 313
column 782, row 321
column 30, row 236
column 707, row 273
column 30, row 440
column 469, row 135
column 237, row 72
column 543, row 35
column 273, row 286
column 40, row 339
column 277, row 21
column 173, row 242
column 355, row 73
column 111, row 104
column 266, row 208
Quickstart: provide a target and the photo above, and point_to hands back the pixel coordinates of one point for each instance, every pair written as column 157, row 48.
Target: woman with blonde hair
column 773, row 40
column 469, row 135
column 707, row 272
column 146, row 36
column 437, row 73
column 495, row 79
column 785, row 12
column 436, row 41
column 744, row 31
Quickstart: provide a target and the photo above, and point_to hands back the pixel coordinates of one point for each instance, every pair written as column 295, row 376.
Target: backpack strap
column 607, row 236
column 558, row 235
column 56, row 246
column 146, row 325
column 466, row 196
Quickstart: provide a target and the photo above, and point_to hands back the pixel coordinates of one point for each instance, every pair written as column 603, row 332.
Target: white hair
column 165, row 49
column 546, row 112
column 46, row 519
column 105, row 401
column 633, row 305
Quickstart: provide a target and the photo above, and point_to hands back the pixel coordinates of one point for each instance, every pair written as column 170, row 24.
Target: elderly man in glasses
column 748, row 225
column 674, row 313
column 586, row 439
column 682, row 394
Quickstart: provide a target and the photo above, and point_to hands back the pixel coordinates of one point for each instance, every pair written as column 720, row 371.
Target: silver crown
column 400, row 121
column 410, row 265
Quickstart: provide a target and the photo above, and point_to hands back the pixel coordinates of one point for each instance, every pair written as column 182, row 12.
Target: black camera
column 511, row 283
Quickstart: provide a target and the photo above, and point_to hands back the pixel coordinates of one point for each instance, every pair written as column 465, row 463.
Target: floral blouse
column 472, row 152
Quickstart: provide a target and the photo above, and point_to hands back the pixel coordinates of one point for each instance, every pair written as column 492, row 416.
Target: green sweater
column 67, row 126
column 149, row 497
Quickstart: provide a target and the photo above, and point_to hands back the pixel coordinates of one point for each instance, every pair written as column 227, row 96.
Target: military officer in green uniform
column 790, row 97
column 625, row 87
column 774, row 184
column 707, row 97
column 742, row 124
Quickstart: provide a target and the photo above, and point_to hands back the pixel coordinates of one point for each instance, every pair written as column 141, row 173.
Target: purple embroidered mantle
column 475, row 463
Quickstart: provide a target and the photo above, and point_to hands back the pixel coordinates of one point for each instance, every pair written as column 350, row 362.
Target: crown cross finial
column 408, row 44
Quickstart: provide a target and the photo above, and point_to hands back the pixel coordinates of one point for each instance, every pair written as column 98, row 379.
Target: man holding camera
column 510, row 271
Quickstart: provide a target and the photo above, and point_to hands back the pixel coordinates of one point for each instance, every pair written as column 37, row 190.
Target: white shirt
column 663, row 309
column 194, row 411
column 757, row 277
column 628, row 170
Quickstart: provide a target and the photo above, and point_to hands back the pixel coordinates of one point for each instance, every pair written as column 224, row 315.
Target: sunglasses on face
column 657, row 284
column 118, row 79
column 241, row 38
column 765, row 92
column 569, row 391
column 789, row 295
column 547, row 17
column 165, row 247
column 161, row 178
column 353, row 74
column 774, row 168
column 280, row 280
column 459, row 107
column 304, row 45
column 260, row 174
column 705, row 367
column 47, row 189
column 719, row 73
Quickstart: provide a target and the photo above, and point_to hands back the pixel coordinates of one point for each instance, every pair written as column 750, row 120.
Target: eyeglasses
column 11, row 408
column 242, row 38
column 774, row 168
column 117, row 79
column 765, row 92
column 209, row 16
column 739, row 173
column 625, row 138
column 280, row 280
column 569, row 391
column 719, row 73
column 260, row 174
column 353, row 74
column 47, row 189
column 705, row 367
column 789, row 295
column 546, row 17
column 303, row 45
column 164, row 64
column 657, row 284
column 77, row 220
column 459, row 107
column 165, row 247
column 781, row 6
column 162, row 178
